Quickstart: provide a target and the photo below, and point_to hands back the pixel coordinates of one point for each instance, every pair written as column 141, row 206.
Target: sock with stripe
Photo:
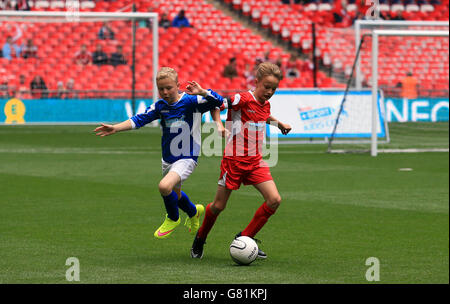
column 185, row 204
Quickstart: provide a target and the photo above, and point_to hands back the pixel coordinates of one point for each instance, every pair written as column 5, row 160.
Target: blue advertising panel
column 15, row 111
column 423, row 109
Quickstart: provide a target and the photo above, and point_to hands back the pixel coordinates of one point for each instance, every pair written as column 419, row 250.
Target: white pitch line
column 72, row 151
column 400, row 150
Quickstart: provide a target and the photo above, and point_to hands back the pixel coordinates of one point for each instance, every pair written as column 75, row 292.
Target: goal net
column 410, row 67
column 105, row 63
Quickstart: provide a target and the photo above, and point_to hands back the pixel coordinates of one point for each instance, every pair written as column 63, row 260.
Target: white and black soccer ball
column 243, row 250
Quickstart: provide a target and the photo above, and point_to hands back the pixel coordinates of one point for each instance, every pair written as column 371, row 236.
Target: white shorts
column 182, row 167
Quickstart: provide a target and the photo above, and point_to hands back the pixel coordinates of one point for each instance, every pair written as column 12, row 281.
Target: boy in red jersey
column 242, row 162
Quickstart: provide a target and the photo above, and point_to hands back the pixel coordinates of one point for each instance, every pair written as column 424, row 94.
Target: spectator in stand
column 4, row 88
column 258, row 61
column 164, row 21
column 230, row 70
column 279, row 63
column 10, row 49
column 6, row 5
column 38, row 87
column 117, row 58
column 106, row 32
column 70, row 89
column 307, row 66
column 267, row 57
column 249, row 75
column 83, row 57
column 340, row 15
column 180, row 20
column 99, row 57
column 327, row 63
column 409, row 86
column 294, row 1
column 60, row 90
column 23, row 5
column 29, row 50
column 292, row 70
column 23, row 91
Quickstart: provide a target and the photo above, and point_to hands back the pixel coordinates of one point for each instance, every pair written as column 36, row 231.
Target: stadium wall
column 60, row 111
column 423, row 109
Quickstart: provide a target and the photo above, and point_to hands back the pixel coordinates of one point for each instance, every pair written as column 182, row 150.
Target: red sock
column 258, row 221
column 208, row 223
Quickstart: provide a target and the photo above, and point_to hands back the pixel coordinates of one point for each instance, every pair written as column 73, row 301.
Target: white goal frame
column 76, row 16
column 375, row 35
column 374, row 24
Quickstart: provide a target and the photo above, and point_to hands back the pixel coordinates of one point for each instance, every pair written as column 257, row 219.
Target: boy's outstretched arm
column 106, row 129
column 284, row 128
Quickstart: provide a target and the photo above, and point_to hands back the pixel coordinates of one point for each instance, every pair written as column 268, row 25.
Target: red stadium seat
column 203, row 51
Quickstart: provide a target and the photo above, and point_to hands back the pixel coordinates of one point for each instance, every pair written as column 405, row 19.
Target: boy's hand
column 105, row 130
column 193, row 88
column 284, row 128
column 223, row 131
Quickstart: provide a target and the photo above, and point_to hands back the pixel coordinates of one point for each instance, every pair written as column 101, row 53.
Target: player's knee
column 164, row 188
column 217, row 207
column 274, row 202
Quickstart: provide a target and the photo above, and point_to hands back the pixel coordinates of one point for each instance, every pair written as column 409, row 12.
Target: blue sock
column 186, row 205
column 171, row 203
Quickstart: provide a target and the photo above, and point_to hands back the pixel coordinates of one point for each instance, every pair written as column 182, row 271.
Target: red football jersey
column 246, row 122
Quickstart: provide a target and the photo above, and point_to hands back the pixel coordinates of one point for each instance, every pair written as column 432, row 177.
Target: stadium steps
column 336, row 47
column 278, row 40
column 236, row 40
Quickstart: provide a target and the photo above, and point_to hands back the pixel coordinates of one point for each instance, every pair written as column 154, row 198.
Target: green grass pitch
column 67, row 193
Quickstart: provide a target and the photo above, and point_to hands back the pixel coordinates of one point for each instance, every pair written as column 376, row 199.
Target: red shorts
column 233, row 173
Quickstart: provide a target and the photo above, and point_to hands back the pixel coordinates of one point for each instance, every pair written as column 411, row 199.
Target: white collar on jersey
column 256, row 99
column 181, row 97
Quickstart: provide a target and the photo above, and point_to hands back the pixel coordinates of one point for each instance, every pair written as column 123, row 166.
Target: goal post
column 360, row 25
column 381, row 67
column 375, row 39
column 75, row 16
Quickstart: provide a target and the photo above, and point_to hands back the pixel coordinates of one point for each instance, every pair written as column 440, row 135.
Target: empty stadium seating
column 292, row 23
column 198, row 53
column 201, row 52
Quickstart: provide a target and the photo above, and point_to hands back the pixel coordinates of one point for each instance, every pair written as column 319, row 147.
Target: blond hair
column 166, row 72
column 267, row 69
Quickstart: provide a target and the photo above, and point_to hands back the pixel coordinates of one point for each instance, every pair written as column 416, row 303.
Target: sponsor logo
column 315, row 113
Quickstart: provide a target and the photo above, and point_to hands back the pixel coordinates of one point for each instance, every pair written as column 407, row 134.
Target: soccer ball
column 243, row 250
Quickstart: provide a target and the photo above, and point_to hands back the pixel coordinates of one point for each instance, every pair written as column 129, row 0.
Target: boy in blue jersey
column 180, row 115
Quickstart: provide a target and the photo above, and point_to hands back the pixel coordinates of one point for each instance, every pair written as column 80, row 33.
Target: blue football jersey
column 180, row 123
